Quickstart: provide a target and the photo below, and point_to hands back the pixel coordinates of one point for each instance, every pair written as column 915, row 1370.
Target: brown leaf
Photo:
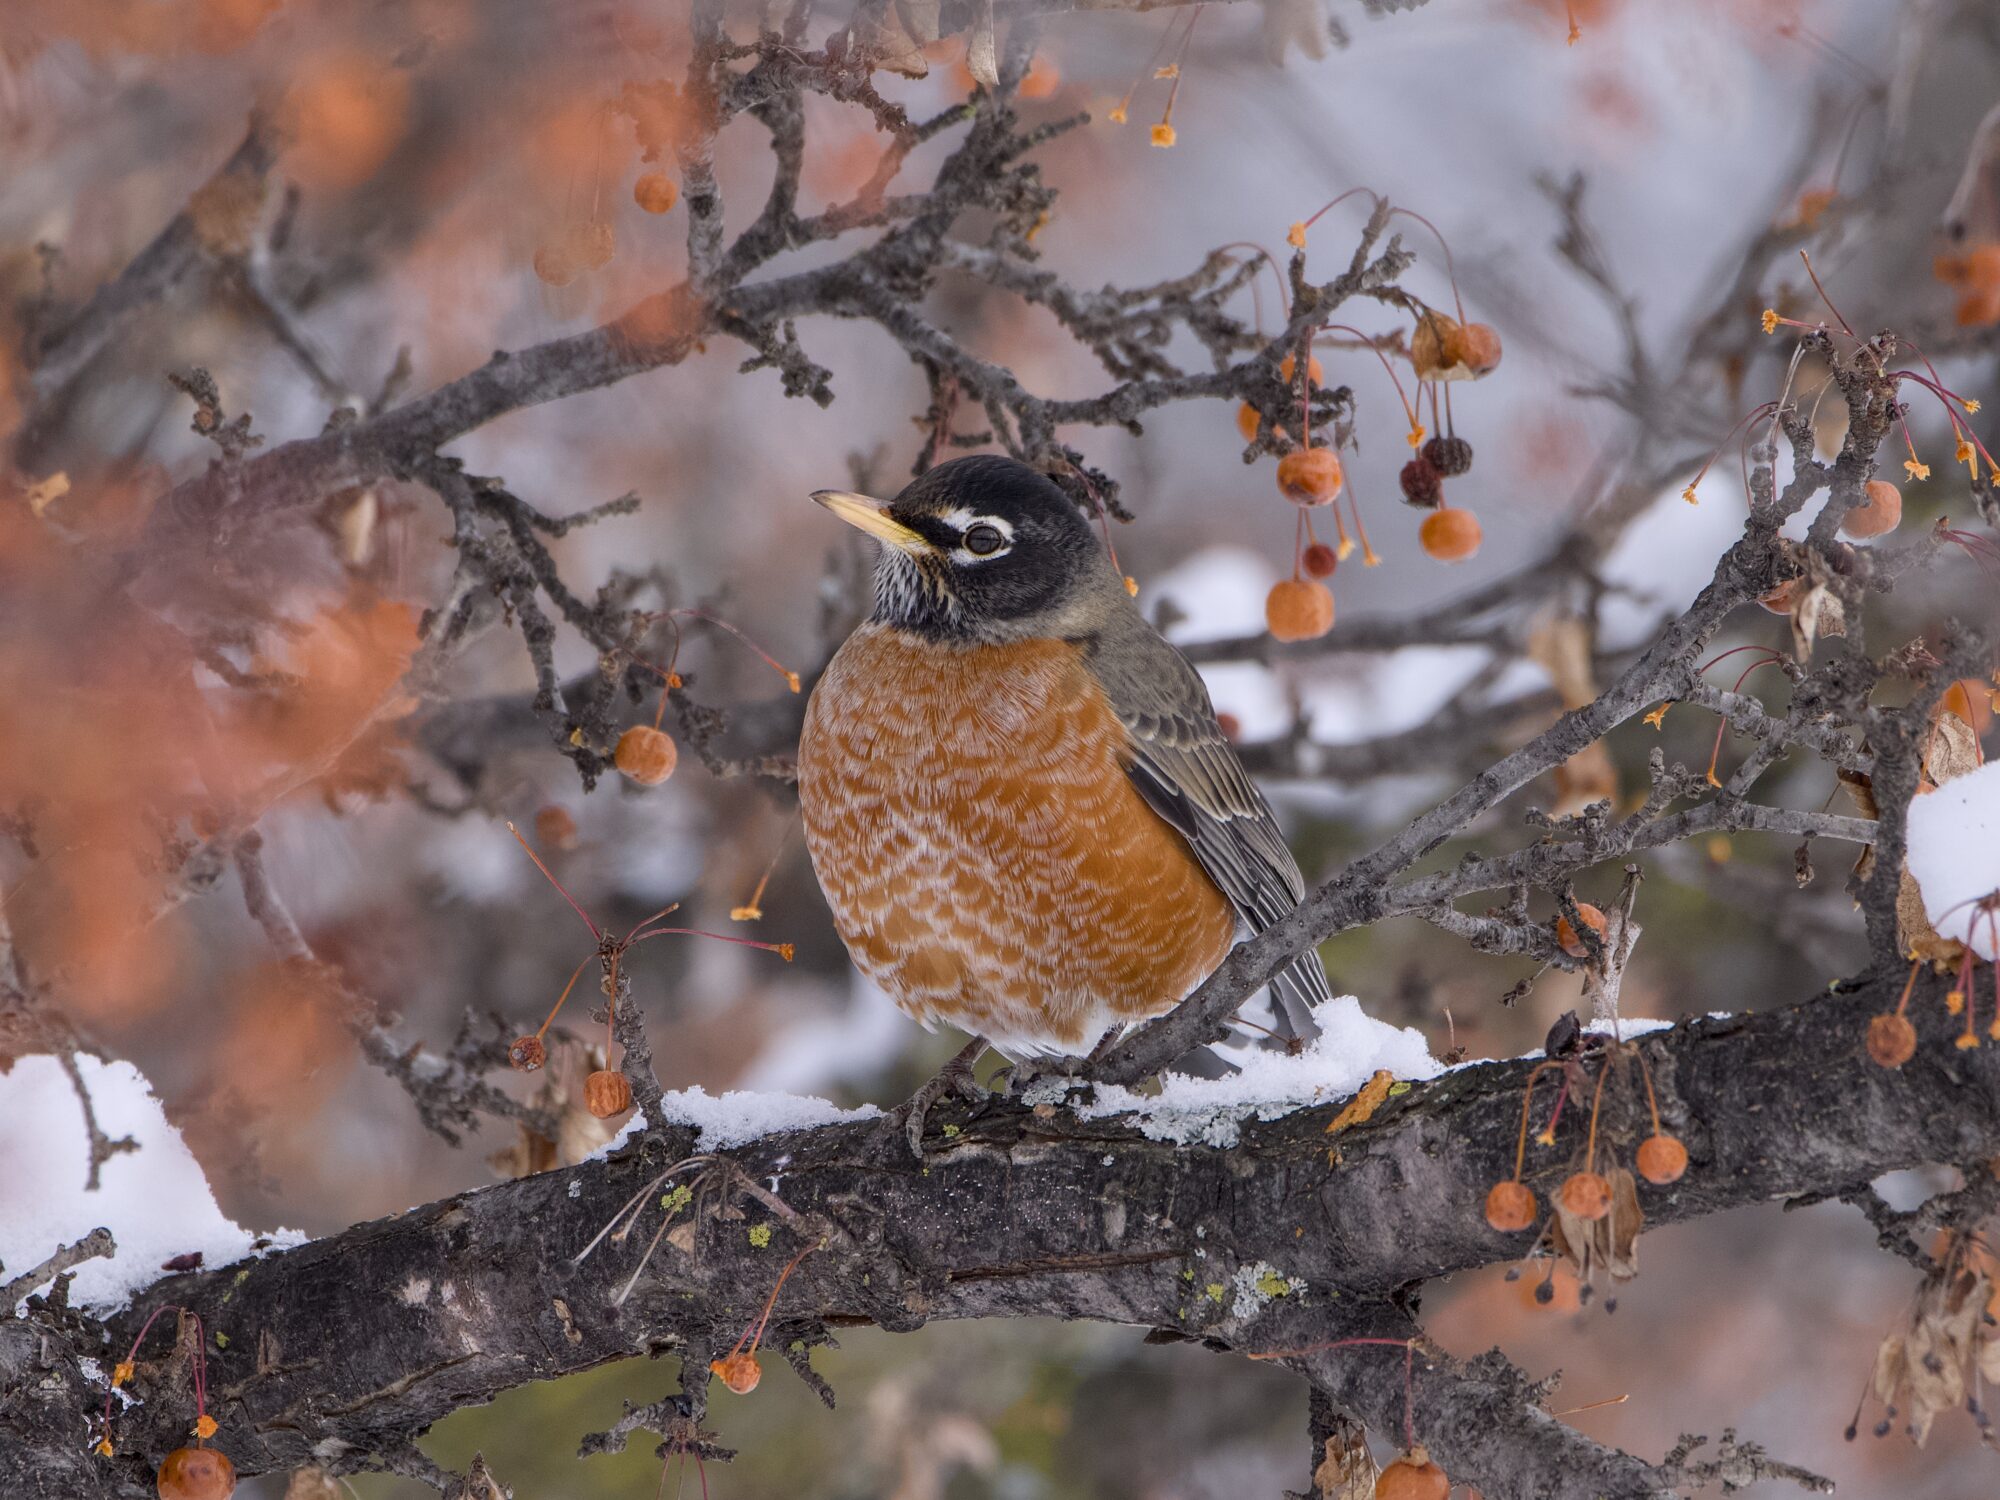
column 681, row 1237
column 900, row 35
column 1818, row 612
column 1348, row 1470
column 1609, row 1244
column 1860, row 791
column 1914, row 933
column 1586, row 777
column 1951, row 751
column 1561, row 647
column 1365, row 1103
column 981, row 52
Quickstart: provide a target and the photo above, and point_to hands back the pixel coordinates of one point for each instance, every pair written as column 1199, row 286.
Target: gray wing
column 1184, row 768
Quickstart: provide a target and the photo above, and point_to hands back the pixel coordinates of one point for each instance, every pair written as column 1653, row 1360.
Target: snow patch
column 740, row 1116
column 1954, row 854
column 155, row 1201
column 1350, row 1048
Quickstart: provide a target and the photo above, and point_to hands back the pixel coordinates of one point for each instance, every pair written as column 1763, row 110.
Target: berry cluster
column 1442, row 350
column 191, row 1473
column 1585, row 1194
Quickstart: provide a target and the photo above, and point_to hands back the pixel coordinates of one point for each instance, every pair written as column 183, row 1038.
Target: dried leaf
column 1625, row 1221
column 982, row 57
column 681, row 1237
column 1365, row 1103
column 1818, row 612
column 899, row 37
column 1951, row 750
column 1561, row 647
column 1586, row 777
column 1914, row 933
column 45, row 493
column 1348, row 1470
column 1860, row 791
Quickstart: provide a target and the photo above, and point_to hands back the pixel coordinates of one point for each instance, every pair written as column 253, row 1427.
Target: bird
column 1019, row 803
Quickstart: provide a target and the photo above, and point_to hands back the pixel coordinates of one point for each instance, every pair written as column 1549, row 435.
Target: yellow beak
column 859, row 511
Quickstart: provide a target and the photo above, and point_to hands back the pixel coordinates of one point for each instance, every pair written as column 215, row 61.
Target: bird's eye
column 983, row 540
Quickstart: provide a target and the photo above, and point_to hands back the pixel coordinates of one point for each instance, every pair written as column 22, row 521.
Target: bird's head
column 984, row 550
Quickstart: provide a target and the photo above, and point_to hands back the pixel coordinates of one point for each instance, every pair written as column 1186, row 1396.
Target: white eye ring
column 966, row 522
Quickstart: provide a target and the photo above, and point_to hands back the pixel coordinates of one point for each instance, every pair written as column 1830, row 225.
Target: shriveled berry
column 1450, row 456
column 606, row 1093
column 1422, row 485
column 526, row 1053
column 1569, row 939
column 1510, row 1207
column 739, row 1371
column 1412, row 1476
column 1299, row 609
column 1434, row 347
column 1662, row 1159
column 1586, row 1195
column 1450, row 533
column 1310, row 476
column 1892, row 1040
column 645, row 754
column 1880, row 510
column 655, row 192
column 196, row 1474
column 1320, row 560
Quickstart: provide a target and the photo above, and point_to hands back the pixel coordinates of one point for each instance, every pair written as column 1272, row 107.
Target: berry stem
column 1375, row 348
column 595, row 931
column 1174, row 93
column 549, row 1020
column 1527, row 1099
column 1823, row 296
column 1334, row 203
column 755, row 1332
column 1596, row 1103
column 1451, row 273
column 1645, row 1072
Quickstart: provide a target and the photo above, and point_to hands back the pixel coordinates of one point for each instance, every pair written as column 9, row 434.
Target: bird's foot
column 953, row 1081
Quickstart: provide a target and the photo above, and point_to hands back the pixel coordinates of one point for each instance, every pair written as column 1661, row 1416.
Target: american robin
column 1018, row 801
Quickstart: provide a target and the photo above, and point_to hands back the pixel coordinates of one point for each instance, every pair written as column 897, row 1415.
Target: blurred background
column 437, row 145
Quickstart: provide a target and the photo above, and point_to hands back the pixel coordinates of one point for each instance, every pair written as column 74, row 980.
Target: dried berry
column 1510, row 1207
column 1309, row 476
column 1662, row 1159
column 1880, row 510
column 1434, row 347
column 606, row 1093
column 1479, row 349
column 526, row 1053
column 1586, row 1195
column 655, row 192
column 1422, row 485
column 1450, row 456
column 1412, row 1476
column 1567, row 936
column 196, row 1474
column 1299, row 609
column 739, row 1371
column 1892, row 1040
column 1320, row 560
column 1450, row 533
column 645, row 754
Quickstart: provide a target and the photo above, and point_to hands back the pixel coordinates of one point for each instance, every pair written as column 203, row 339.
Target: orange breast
column 987, row 860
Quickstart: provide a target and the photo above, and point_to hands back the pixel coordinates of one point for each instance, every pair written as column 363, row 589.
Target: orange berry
column 1587, row 1195
column 1510, row 1207
column 645, row 754
column 1041, row 80
column 1780, row 600
column 1892, row 1040
column 1412, row 1476
column 1314, row 371
column 526, row 1053
column 1299, row 609
column 1970, row 700
column 655, row 192
column 1479, row 349
column 1662, row 1159
column 555, row 828
column 196, row 1474
column 1570, row 940
column 1248, row 421
column 1879, row 511
column 1450, row 533
column 1320, row 560
column 1309, row 476
column 554, row 267
column 740, row 1371
column 606, row 1093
